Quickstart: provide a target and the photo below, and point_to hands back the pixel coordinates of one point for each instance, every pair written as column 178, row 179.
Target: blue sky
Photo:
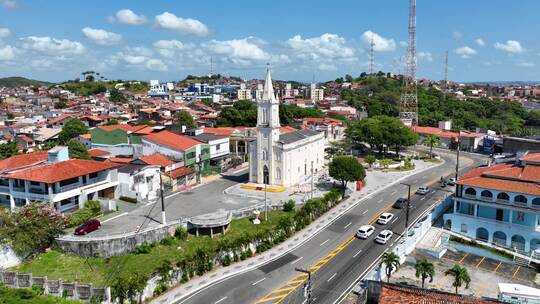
column 56, row 40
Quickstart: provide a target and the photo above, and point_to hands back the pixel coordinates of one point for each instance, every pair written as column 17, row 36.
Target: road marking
column 258, row 281
column 222, row 299
column 114, row 217
column 514, row 275
column 356, row 254
column 478, row 265
column 463, row 258
column 380, row 201
column 395, row 220
column 423, row 198
column 497, row 268
column 364, row 212
column 350, row 223
column 296, row 260
column 332, row 277
column 324, row 242
column 393, row 193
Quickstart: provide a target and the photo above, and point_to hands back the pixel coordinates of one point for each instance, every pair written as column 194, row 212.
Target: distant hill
column 12, row 82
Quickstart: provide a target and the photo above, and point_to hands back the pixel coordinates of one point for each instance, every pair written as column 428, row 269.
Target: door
column 499, row 215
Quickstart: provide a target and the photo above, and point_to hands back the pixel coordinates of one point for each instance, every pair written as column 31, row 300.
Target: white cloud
column 480, row 42
column 403, row 43
column 52, row 46
column 169, row 48
column 238, row 50
column 326, row 51
column 8, row 3
column 4, row 32
column 127, row 16
column 526, row 64
column 169, row 21
column 381, row 44
column 425, row 56
column 131, row 59
column 465, row 52
column 511, row 46
column 457, row 35
column 156, row 65
column 101, row 36
column 7, row 53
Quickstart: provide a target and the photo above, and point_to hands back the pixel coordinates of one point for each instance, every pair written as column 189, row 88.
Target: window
column 190, row 155
column 69, row 181
column 218, row 147
column 486, row 194
column 520, row 199
column 536, row 201
column 470, row 191
column 464, row 228
column 35, row 183
column 503, row 196
column 265, row 154
column 520, row 216
column 93, row 175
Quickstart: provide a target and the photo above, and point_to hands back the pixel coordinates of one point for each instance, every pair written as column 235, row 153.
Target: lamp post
column 307, row 287
column 457, row 153
column 163, row 217
column 407, row 209
column 311, row 179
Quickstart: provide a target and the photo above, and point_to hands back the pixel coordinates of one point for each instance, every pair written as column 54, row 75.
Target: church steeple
column 268, row 106
column 268, row 91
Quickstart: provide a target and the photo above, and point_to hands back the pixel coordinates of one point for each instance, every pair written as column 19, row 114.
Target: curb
column 351, row 205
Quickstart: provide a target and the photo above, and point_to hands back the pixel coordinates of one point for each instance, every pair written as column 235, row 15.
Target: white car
column 452, row 181
column 422, row 190
column 384, row 236
column 385, row 218
column 365, row 231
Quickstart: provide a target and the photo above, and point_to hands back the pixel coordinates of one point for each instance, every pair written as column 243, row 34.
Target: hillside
column 12, row 82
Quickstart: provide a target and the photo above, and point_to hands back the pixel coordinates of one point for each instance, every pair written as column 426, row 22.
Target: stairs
column 521, row 261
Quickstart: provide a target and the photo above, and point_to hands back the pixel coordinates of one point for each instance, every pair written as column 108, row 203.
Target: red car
column 87, row 227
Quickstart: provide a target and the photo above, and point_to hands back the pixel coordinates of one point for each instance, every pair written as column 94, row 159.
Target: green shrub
column 93, row 205
column 289, row 205
column 181, row 233
column 38, row 289
column 160, row 288
column 143, row 248
column 226, row 260
column 168, row 241
column 91, row 209
column 185, row 277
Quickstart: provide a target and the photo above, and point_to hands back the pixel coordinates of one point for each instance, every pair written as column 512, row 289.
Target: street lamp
column 407, row 209
column 163, row 217
column 308, row 287
column 457, row 153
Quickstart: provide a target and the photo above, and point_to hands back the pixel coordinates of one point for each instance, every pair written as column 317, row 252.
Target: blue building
column 500, row 204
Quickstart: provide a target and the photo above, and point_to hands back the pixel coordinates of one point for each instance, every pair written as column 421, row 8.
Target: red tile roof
column 392, row 293
column 157, row 159
column 98, row 152
column 287, row 129
column 125, row 127
column 119, row 160
column 532, row 157
column 227, row 131
column 23, row 160
column 172, row 140
column 182, row 171
column 55, row 172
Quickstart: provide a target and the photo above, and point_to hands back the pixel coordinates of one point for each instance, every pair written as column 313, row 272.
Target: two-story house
column 52, row 177
column 500, row 204
column 219, row 146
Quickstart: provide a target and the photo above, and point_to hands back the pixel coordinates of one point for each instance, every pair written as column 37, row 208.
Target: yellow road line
column 497, row 268
column 514, row 275
column 477, row 265
column 374, row 219
column 463, row 258
column 285, row 289
column 272, row 298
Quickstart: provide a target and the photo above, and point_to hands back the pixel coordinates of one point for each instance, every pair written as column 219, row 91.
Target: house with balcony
column 52, row 177
column 219, row 146
column 500, row 204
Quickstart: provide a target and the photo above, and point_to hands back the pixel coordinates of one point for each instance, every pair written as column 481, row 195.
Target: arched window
column 482, row 234
column 486, row 194
column 265, row 154
column 520, row 199
column 503, row 196
column 518, row 242
column 536, row 202
column 499, row 238
column 278, row 173
column 470, row 191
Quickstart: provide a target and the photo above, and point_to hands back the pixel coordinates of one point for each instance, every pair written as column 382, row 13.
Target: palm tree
column 424, row 269
column 432, row 141
column 460, row 274
column 391, row 261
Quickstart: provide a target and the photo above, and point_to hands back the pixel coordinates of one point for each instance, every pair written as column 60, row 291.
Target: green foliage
column 370, row 159
column 533, row 118
column 77, row 150
column 29, row 296
column 226, row 260
column 287, row 113
column 85, row 88
column 72, row 129
column 112, row 122
column 14, row 82
column 144, row 248
column 184, row 118
column 168, row 241
column 160, row 289
column 432, row 141
column 8, row 149
column 117, row 96
column 289, row 205
column 391, row 262
column 61, row 104
column 181, row 233
column 424, row 269
column 91, row 209
column 128, row 286
column 461, row 276
column 346, row 169
column 32, row 228
column 242, row 113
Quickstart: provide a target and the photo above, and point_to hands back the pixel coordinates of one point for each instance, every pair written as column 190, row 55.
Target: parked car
column 422, row 190
column 400, row 203
column 365, row 231
column 87, row 227
column 385, row 218
column 384, row 236
column 452, row 181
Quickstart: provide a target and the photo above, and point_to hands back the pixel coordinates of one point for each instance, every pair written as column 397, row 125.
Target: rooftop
column 172, row 140
column 297, row 135
column 23, row 160
column 156, row 159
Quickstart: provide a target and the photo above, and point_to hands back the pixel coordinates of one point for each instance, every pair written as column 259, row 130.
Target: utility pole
column 307, row 288
column 163, row 217
column 265, row 203
column 457, row 153
column 311, row 179
column 407, row 209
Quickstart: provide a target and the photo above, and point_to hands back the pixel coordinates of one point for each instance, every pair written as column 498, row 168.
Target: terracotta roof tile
column 157, row 159
column 23, row 160
column 182, row 171
column 392, row 293
column 98, row 152
column 172, row 140
column 119, row 160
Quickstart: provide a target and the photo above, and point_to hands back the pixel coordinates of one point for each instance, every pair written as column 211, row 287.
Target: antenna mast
column 371, row 55
column 408, row 111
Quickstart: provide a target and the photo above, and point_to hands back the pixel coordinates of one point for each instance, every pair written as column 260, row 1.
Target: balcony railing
column 486, row 198
column 80, row 185
column 469, row 196
column 37, row 191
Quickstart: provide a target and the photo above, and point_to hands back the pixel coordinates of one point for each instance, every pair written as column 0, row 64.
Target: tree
column 432, row 141
column 77, row 150
column 337, row 148
column 424, row 270
column 391, row 262
column 533, row 118
column 370, row 160
column 8, row 149
column 72, row 129
column 32, row 228
column 385, row 162
column 460, row 274
column 111, row 122
column 117, row 97
column 61, row 104
column 346, row 169
column 184, row 118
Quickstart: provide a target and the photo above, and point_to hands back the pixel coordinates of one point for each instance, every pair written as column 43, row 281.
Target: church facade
column 282, row 159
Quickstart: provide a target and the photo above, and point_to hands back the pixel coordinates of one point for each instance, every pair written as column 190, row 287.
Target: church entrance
column 266, row 175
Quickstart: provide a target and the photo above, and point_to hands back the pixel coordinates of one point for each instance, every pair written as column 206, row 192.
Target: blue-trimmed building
column 500, row 204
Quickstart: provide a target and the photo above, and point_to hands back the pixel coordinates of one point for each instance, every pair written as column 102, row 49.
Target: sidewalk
column 376, row 182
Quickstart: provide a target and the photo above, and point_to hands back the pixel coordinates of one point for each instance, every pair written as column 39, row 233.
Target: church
column 282, row 159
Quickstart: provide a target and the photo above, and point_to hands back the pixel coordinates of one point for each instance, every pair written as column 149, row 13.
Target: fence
column 70, row 290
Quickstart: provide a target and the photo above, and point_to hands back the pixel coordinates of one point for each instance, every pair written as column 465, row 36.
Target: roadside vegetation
column 29, row 296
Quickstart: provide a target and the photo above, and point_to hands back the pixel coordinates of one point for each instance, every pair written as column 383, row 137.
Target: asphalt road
column 338, row 273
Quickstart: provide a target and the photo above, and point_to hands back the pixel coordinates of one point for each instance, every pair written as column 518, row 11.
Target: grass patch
column 473, row 243
column 29, row 296
column 70, row 267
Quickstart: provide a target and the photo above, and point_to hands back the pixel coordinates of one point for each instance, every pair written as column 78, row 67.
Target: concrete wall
column 8, row 258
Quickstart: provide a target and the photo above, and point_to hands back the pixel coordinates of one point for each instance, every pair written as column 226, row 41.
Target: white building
column 315, row 94
column 281, row 159
column 139, row 182
column 259, row 92
column 243, row 93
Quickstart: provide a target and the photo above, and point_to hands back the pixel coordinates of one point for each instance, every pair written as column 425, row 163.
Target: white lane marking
column 258, row 281
column 297, row 260
column 423, row 198
column 350, row 223
column 356, row 254
column 332, row 277
column 324, row 242
column 395, row 219
column 365, row 212
column 393, row 193
column 222, row 299
column 114, row 217
column 380, row 201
